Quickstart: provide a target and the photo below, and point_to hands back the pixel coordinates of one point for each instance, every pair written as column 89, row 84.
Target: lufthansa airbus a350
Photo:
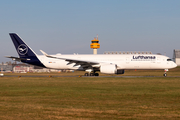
column 105, row 63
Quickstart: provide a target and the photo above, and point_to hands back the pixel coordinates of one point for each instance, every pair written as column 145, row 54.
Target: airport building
column 124, row 52
column 6, row 68
column 176, row 57
column 24, row 68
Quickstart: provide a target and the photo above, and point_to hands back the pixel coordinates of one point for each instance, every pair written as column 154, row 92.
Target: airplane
column 104, row 63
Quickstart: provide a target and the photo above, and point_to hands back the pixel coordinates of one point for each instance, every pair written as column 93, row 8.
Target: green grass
column 89, row 98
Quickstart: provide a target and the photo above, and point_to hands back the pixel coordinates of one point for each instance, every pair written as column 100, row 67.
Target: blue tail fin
column 24, row 51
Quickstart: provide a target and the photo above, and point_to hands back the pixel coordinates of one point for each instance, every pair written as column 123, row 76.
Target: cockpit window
column 169, row 60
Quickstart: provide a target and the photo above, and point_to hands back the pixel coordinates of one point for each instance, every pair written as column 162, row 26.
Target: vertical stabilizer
column 24, row 51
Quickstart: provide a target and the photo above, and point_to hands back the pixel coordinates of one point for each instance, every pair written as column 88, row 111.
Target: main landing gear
column 91, row 74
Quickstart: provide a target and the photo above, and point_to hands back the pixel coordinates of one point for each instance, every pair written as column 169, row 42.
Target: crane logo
column 22, row 49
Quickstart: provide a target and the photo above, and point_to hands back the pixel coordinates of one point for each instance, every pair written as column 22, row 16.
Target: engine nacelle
column 110, row 69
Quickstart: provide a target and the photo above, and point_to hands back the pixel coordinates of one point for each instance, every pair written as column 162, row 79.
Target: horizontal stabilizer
column 16, row 58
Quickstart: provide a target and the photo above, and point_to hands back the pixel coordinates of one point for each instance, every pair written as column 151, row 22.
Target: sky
column 68, row 26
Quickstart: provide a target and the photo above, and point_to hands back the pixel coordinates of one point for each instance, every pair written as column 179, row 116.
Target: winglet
column 44, row 53
column 47, row 54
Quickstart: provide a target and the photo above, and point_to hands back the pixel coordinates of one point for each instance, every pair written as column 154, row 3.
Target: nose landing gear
column 165, row 74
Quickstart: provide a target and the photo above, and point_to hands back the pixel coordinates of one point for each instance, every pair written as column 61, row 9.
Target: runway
column 91, row 76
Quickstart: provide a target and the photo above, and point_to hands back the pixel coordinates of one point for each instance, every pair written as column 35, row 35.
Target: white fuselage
column 105, row 63
column 127, row 61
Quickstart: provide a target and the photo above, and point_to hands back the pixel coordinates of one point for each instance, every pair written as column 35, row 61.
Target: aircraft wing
column 83, row 63
column 16, row 58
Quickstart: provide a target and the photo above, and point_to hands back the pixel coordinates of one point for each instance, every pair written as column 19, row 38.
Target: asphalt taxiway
column 91, row 76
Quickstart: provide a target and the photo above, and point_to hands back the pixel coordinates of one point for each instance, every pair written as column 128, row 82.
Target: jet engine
column 110, row 69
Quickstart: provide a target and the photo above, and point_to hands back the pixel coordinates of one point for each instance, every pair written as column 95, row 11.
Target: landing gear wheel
column 165, row 74
column 91, row 74
column 86, row 74
column 96, row 74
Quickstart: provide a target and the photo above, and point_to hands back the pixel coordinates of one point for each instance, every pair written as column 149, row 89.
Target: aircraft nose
column 174, row 65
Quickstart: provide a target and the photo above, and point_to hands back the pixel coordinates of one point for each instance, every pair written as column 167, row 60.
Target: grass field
column 91, row 97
